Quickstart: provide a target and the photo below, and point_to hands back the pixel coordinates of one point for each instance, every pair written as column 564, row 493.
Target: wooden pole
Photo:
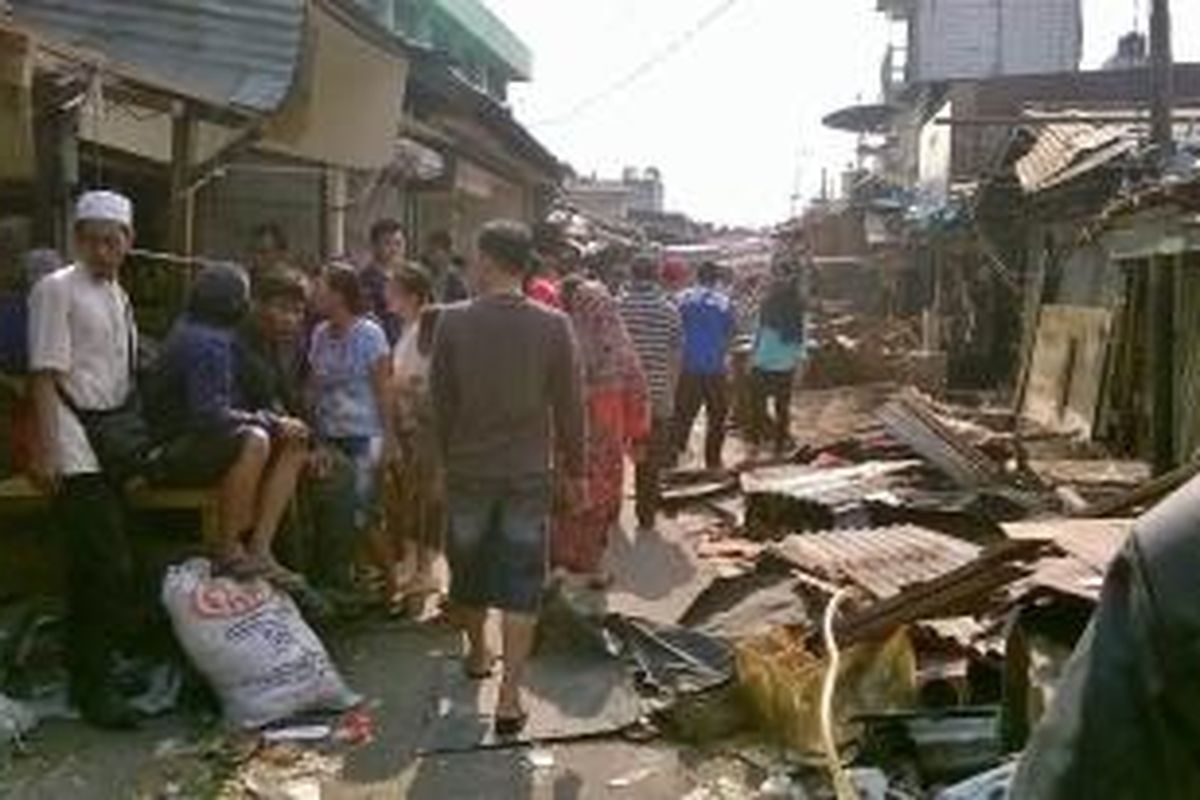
column 1162, row 361
column 1161, row 77
column 183, row 124
column 1162, row 268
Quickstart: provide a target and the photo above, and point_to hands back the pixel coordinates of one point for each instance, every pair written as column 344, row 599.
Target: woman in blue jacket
column 210, row 435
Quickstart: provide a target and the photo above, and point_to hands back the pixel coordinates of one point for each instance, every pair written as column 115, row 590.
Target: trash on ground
column 16, row 721
column 632, row 778
column 298, row 733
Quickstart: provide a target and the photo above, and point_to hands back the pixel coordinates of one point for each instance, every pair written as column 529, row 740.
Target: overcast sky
column 733, row 118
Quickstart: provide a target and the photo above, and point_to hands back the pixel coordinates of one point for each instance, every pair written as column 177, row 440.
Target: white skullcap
column 104, row 206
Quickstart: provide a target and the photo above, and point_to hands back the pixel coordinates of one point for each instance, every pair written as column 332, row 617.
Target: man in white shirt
column 82, row 342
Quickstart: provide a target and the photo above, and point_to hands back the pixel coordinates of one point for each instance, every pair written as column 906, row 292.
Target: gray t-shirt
column 506, row 385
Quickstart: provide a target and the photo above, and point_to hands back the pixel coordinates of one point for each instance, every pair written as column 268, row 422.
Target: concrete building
column 639, row 191
column 939, row 40
column 461, row 157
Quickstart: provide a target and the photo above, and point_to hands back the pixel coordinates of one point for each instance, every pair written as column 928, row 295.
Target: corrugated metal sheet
column 1064, row 150
column 881, row 561
column 491, row 30
column 909, row 419
column 241, row 52
column 832, row 486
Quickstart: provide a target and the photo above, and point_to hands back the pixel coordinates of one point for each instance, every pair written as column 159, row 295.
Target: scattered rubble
column 965, row 543
column 965, row 586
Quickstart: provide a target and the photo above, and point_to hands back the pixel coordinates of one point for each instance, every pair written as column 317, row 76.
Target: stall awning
column 240, row 53
column 345, row 108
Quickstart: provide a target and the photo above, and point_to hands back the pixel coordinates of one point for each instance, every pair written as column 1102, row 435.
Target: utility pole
column 1162, row 274
column 1161, row 78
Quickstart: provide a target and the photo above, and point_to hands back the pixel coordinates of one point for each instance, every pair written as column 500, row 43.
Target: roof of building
column 1066, row 150
column 243, row 53
column 433, row 82
column 1092, row 88
column 485, row 26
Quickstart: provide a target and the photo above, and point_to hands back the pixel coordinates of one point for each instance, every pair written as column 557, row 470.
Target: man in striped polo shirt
column 656, row 329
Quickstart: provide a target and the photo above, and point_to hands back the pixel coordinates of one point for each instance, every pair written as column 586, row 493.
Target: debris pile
column 962, row 570
column 858, row 349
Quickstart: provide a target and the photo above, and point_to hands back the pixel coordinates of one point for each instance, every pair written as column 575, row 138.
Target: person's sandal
column 507, row 727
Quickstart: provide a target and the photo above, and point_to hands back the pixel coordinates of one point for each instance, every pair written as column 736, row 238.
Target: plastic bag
column 16, row 720
column 250, row 642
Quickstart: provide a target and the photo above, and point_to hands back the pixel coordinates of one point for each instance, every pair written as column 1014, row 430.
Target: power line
column 673, row 47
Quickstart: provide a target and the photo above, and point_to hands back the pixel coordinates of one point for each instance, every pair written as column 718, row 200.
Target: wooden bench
column 18, row 492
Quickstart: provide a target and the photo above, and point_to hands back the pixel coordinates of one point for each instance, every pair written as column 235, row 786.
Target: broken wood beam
column 1148, row 492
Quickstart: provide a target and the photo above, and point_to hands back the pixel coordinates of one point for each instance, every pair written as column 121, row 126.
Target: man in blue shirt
column 708, row 327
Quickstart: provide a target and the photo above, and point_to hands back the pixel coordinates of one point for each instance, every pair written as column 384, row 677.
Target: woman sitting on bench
column 210, row 439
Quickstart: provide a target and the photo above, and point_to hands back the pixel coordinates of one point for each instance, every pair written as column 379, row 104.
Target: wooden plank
column 1145, row 495
column 20, row 492
column 1065, row 373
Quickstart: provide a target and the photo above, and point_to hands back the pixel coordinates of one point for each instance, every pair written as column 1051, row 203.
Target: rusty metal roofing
column 240, row 52
column 880, row 561
column 1088, row 546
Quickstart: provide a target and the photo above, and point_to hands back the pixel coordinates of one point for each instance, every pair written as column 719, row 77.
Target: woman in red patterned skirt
column 618, row 417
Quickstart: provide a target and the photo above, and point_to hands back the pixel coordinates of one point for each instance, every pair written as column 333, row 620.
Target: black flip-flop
column 506, row 727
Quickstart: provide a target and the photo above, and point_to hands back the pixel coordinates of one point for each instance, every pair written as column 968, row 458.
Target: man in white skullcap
column 82, row 344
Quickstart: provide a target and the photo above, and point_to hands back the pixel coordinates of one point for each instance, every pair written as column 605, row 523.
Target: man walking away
column 82, row 342
column 656, row 329
column 507, row 389
column 708, row 327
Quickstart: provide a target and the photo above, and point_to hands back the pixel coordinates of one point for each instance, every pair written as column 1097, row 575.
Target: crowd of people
column 375, row 420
